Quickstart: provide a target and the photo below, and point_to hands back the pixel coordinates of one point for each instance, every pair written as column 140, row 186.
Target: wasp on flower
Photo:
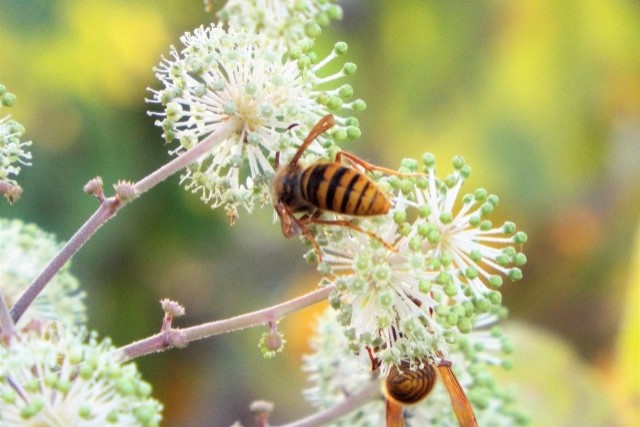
column 445, row 270
column 231, row 80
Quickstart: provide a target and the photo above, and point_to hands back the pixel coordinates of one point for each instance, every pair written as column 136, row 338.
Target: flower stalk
column 168, row 338
column 107, row 209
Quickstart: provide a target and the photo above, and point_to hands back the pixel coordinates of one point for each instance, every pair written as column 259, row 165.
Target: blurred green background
column 541, row 97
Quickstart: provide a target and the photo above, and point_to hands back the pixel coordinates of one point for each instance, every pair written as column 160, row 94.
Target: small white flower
column 291, row 20
column 460, row 242
column 24, row 251
column 53, row 377
column 229, row 79
column 412, row 303
column 13, row 152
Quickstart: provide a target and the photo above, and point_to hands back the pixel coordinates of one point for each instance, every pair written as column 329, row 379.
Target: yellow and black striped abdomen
column 337, row 188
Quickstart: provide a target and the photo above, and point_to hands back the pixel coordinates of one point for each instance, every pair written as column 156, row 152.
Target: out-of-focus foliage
column 542, row 97
column 624, row 380
column 559, row 388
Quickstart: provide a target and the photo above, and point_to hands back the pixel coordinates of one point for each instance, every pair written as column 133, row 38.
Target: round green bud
column 340, row 134
column 304, row 62
column 452, row 319
column 515, row 274
column 335, row 102
column 475, row 255
column 406, row 186
column 468, row 308
column 144, row 414
column 404, row 229
column 433, row 236
column 415, row 243
column 323, row 19
column 424, row 285
column 468, row 198
column 353, row 132
column 352, row 121
column 295, row 53
column 480, row 194
column 442, row 310
column 340, row 48
column 520, row 259
column 345, row 92
column 422, row 182
column 359, row 105
column 112, row 417
column 465, row 172
column 486, row 209
column 446, row 258
column 458, row 162
column 450, row 181
column 424, row 211
column 464, row 325
column 51, row 380
column 446, row 217
column 230, row 108
column 84, row 411
column 471, row 273
column 486, row 225
column 335, row 12
column 434, row 263
column 411, row 165
column 429, row 160
column 8, row 395
column 399, row 217
column 63, row 385
column 250, row 88
column 450, row 289
column 312, row 29
column 520, row 237
column 495, row 281
column 349, row 68
column 503, row 260
column 125, row 387
column 341, row 284
column 508, row 227
column 495, row 297
column 474, row 220
column 32, row 385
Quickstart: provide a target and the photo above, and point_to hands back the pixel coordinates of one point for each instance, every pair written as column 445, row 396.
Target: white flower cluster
column 24, row 251
column 288, row 20
column 13, row 152
column 55, row 376
column 266, row 97
column 334, row 375
column 414, row 301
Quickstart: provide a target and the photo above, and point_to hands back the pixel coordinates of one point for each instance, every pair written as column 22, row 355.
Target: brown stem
column 180, row 337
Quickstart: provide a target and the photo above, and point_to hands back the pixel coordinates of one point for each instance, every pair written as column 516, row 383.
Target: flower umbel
column 13, row 152
column 24, row 251
column 52, row 377
column 228, row 78
column 413, row 303
column 289, row 20
column 335, row 374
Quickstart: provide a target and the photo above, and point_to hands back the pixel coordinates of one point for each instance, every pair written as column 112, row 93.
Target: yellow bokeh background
column 542, row 98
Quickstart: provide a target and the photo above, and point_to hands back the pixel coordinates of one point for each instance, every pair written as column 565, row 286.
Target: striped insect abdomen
column 337, row 188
